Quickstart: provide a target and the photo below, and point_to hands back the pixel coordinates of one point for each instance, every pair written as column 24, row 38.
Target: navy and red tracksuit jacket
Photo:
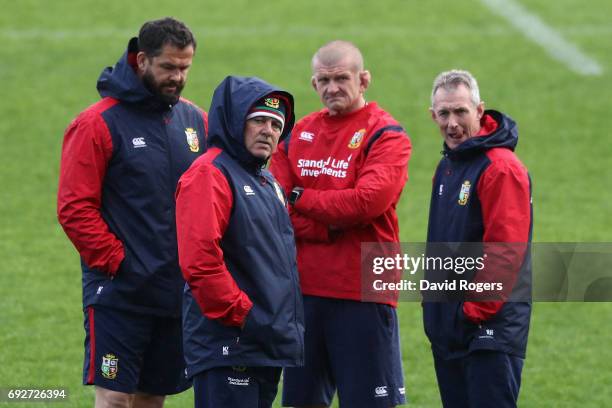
column 236, row 247
column 121, row 161
column 353, row 168
column 482, row 194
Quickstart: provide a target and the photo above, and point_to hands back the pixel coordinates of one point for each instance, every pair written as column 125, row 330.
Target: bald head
column 335, row 52
column 339, row 78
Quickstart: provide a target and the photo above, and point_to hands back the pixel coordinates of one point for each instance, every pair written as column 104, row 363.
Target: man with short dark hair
column 243, row 317
column 481, row 200
column 121, row 160
column 344, row 167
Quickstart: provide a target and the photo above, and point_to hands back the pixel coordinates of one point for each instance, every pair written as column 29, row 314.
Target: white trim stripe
column 269, row 115
column 532, row 27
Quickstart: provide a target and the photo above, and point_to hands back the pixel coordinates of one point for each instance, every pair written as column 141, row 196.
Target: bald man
column 344, row 168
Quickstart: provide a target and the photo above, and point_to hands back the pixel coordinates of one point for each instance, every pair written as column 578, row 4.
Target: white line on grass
column 539, row 32
column 17, row 34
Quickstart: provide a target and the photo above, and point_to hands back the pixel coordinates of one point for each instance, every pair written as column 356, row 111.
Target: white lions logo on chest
column 192, row 139
column 356, row 139
column 464, row 194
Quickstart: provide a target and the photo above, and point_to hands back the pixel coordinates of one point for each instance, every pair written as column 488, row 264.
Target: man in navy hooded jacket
column 121, row 160
column 481, row 194
column 243, row 317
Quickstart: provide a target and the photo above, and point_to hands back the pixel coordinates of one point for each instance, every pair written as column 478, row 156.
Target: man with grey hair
column 344, row 169
column 453, row 78
column 481, row 194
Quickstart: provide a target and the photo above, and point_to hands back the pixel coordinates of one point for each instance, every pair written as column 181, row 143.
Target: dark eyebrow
column 171, row 65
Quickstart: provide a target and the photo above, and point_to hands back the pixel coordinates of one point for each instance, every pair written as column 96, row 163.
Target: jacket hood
column 230, row 104
column 505, row 135
column 121, row 81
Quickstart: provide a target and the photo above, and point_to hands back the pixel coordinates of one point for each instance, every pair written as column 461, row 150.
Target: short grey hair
column 335, row 52
column 450, row 80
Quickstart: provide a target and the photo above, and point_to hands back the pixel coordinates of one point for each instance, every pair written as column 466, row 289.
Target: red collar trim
column 488, row 125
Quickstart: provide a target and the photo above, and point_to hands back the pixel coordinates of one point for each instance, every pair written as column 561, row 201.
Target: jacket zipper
column 296, row 286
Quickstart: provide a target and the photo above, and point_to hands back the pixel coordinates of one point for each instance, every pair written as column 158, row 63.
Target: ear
column 480, row 109
column 433, row 114
column 141, row 61
column 313, row 82
column 365, row 78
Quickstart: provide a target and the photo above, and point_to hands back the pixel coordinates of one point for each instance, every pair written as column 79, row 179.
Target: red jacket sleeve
column 203, row 209
column 303, row 227
column 505, row 197
column 86, row 150
column 308, row 229
column 379, row 184
column 205, row 118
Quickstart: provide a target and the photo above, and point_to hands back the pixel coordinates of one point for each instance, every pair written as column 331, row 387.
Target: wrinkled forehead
column 343, row 67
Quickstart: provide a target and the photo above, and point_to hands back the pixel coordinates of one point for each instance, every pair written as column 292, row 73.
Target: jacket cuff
column 242, row 310
column 115, row 263
column 478, row 312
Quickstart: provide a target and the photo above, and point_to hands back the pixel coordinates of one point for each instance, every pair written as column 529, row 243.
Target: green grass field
column 53, row 52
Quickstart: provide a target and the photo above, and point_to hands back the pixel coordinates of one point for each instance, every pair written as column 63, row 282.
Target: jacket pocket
column 386, row 315
column 251, row 325
column 124, row 266
column 464, row 330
